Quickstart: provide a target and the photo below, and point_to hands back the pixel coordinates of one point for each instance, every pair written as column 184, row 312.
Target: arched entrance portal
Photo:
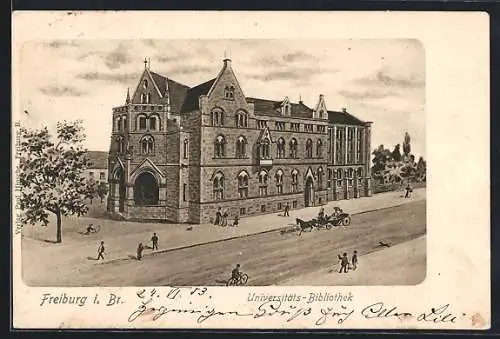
column 146, row 190
column 120, row 181
column 309, row 192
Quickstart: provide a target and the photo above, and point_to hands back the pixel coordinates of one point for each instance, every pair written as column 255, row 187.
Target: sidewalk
column 121, row 239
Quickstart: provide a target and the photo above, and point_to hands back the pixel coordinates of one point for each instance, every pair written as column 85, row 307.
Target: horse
column 305, row 225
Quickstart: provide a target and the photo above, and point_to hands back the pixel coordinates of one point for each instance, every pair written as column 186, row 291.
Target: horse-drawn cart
column 327, row 222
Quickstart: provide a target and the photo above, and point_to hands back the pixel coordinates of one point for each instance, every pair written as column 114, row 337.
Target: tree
column 396, row 154
column 407, row 145
column 92, row 187
column 102, row 190
column 50, row 174
column 421, row 169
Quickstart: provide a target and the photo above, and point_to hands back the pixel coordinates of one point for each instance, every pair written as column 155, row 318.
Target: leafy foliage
column 102, row 190
column 50, row 174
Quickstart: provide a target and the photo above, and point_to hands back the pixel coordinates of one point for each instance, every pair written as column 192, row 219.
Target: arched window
column 263, row 183
column 295, row 180
column 319, row 149
column 218, row 186
column 359, row 172
column 229, row 92
column 154, row 122
column 338, row 177
column 147, row 144
column 293, row 148
column 309, row 148
column 320, row 178
column 219, row 147
column 148, row 98
column 186, row 148
column 145, row 84
column 242, row 119
column 118, row 123
column 141, row 121
column 264, row 149
column 124, row 121
column 120, row 144
column 281, row 147
column 241, row 147
column 146, row 190
column 243, row 185
column 217, row 116
column 279, row 181
column 143, row 98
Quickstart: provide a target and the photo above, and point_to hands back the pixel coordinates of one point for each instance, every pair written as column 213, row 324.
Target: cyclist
column 90, row 229
column 235, row 274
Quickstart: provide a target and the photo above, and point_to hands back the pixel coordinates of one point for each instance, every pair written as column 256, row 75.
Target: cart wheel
column 346, row 221
column 244, row 278
column 231, row 282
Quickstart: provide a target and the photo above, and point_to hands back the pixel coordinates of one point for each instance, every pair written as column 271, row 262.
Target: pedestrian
column 287, row 208
column 140, row 248
column 344, row 262
column 236, row 221
column 321, row 213
column 100, row 251
column 155, row 239
column 408, row 191
column 218, row 216
column 354, row 260
column 224, row 218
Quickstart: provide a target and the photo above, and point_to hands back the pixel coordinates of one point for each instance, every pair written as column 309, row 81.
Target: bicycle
column 240, row 280
column 91, row 229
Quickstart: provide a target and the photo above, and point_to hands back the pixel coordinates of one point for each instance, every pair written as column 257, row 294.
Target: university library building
column 179, row 153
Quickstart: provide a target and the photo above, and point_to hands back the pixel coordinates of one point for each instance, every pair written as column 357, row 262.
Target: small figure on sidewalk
column 321, row 213
column 100, row 251
column 287, row 208
column 344, row 262
column 236, row 221
column 408, row 190
column 224, row 218
column 154, row 239
column 140, row 248
column 354, row 260
column 218, row 217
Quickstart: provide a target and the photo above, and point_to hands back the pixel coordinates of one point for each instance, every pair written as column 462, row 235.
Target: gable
column 227, row 79
column 147, row 85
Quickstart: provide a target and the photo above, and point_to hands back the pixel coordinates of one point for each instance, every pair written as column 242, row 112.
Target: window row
column 147, row 145
column 142, row 123
column 263, row 148
column 218, row 183
column 217, row 118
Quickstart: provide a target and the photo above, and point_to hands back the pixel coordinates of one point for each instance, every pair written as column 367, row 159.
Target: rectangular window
column 279, row 206
column 294, row 204
column 262, row 208
column 262, row 191
column 91, row 174
column 152, row 123
column 243, row 210
column 184, row 192
column 102, row 176
column 280, row 126
column 243, row 191
column 261, row 123
column 186, row 149
column 349, row 182
column 294, row 127
column 142, row 123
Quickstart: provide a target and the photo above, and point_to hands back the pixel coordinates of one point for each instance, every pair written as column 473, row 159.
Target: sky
column 382, row 81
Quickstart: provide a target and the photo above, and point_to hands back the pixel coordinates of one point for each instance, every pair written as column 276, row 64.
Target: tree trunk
column 59, row 235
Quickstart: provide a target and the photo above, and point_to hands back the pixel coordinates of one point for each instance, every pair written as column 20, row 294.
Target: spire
column 300, row 98
column 127, row 101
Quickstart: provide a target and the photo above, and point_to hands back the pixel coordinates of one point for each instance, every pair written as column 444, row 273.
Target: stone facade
column 179, row 153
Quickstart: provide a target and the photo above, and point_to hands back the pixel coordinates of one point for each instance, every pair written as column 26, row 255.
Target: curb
column 234, row 237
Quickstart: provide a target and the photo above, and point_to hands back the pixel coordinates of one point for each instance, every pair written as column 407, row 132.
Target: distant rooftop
column 98, row 159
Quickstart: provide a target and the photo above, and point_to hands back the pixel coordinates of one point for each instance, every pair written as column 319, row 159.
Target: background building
column 98, row 170
column 179, row 153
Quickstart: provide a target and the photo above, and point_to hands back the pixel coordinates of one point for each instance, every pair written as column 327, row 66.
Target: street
column 269, row 259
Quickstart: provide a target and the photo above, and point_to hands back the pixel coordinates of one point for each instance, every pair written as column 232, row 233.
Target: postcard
column 250, row 170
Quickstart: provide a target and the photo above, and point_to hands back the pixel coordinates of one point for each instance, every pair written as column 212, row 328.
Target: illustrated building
column 179, row 153
column 98, row 168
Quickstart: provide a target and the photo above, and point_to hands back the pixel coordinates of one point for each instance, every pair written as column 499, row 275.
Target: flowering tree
column 50, row 174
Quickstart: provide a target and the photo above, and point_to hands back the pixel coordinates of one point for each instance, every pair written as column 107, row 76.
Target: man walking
column 354, row 260
column 100, row 251
column 218, row 217
column 140, row 248
column 287, row 208
column 154, row 239
column 344, row 262
column 408, row 191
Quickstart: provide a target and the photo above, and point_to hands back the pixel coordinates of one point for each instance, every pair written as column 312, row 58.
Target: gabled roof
column 97, row 159
column 335, row 117
column 191, row 102
column 176, row 90
column 271, row 107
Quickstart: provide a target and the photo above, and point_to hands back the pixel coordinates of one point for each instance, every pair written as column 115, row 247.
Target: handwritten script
column 197, row 303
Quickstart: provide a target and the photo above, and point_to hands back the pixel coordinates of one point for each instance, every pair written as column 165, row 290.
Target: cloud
column 298, row 56
column 118, row 57
column 367, row 94
column 190, row 69
column 108, row 77
column 381, row 78
column 61, row 43
column 304, row 74
column 61, row 91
